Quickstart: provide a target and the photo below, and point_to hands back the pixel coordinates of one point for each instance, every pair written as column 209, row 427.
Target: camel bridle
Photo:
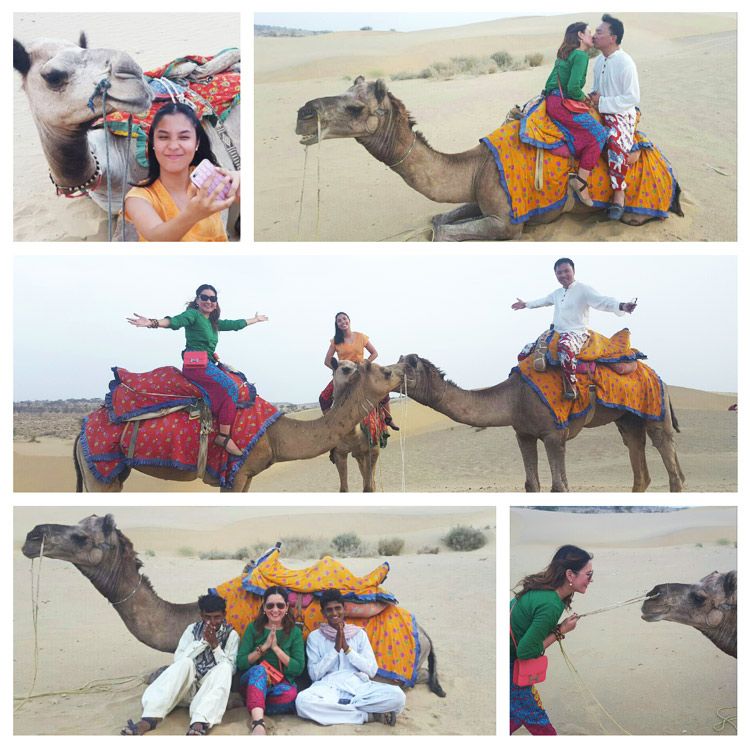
column 379, row 112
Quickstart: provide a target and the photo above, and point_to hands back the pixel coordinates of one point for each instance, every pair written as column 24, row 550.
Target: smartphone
column 206, row 173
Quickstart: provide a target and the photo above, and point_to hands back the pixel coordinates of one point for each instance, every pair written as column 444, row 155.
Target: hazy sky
column 70, row 327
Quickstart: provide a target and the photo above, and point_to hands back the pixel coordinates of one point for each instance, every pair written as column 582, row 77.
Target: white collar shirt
column 616, row 81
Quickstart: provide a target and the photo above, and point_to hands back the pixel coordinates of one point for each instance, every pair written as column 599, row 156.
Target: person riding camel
column 571, row 317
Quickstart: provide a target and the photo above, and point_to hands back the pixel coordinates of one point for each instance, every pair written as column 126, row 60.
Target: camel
column 286, row 439
column 60, row 79
column 709, row 606
column 513, row 403
column 107, row 558
column 357, row 442
column 371, row 114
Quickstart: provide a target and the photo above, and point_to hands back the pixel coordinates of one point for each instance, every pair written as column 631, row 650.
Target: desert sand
column 654, row 678
column 360, row 199
column 81, row 638
column 152, row 39
column 434, row 454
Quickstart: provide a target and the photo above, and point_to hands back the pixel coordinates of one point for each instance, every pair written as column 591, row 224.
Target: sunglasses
column 277, row 605
column 208, row 297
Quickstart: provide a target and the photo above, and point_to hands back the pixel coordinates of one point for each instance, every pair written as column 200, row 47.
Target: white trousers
column 320, row 703
column 176, row 685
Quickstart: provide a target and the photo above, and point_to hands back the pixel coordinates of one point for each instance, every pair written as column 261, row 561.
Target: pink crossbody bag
column 528, row 671
column 195, row 359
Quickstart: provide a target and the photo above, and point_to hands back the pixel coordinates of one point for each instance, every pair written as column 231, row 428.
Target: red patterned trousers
column 568, row 346
column 619, row 143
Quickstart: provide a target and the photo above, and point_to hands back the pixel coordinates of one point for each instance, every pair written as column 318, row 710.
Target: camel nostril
column 307, row 113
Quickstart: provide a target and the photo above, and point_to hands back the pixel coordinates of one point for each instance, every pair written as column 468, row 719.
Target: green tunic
column 572, row 74
column 293, row 646
column 200, row 335
column 532, row 620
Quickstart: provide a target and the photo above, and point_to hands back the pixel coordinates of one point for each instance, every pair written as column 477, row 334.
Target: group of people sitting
column 270, row 657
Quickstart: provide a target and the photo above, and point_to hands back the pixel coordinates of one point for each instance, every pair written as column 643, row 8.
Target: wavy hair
column 571, row 40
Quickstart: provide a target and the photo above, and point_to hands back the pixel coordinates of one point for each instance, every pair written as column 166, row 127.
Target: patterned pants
column 273, row 699
column 619, row 143
column 526, row 710
column 220, row 389
column 568, row 346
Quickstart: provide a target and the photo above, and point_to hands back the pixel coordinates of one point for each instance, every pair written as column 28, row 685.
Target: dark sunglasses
column 208, row 297
column 277, row 605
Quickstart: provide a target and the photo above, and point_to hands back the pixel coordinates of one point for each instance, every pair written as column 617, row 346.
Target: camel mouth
column 309, row 140
column 31, row 548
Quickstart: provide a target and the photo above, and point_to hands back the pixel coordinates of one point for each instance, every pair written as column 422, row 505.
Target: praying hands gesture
column 210, row 637
column 341, row 644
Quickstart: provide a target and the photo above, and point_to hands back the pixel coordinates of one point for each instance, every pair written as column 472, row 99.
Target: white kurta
column 616, row 81
column 572, row 306
column 344, row 677
column 177, row 684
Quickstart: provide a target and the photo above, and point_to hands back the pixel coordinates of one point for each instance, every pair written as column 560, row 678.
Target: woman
column 202, row 323
column 568, row 79
column 351, row 345
column 272, row 638
column 534, row 613
column 166, row 206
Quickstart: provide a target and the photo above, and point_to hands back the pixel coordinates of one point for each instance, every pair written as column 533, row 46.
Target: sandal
column 132, row 728
column 197, row 729
column 578, row 185
column 389, row 421
column 222, row 439
column 257, row 723
column 616, row 212
column 388, row 718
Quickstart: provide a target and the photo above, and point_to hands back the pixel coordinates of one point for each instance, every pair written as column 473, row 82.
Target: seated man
column 341, row 665
column 200, row 676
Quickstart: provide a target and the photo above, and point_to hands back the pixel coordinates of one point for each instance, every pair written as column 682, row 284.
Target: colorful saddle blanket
column 598, row 348
column 155, row 419
column 640, row 392
column 213, row 98
column 373, row 425
column 651, row 184
column 391, row 629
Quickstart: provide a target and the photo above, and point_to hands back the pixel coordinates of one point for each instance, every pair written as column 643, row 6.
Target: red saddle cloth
column 136, row 428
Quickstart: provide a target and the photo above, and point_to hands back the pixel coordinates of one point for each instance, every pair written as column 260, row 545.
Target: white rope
column 401, row 435
column 317, row 215
column 615, row 606
column 302, row 197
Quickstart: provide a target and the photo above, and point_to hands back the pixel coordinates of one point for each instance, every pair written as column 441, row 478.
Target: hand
column 594, row 96
column 519, row 304
column 340, row 644
column 628, row 307
column 260, row 318
column 202, row 203
column 633, row 157
column 139, row 321
column 209, row 636
column 569, row 623
column 235, row 181
column 270, row 642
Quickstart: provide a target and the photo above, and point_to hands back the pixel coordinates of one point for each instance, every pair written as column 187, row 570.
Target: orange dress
column 354, row 351
column 210, row 229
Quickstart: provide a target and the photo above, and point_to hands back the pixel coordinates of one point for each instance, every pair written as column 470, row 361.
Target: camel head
column 60, row 78
column 85, row 545
column 366, row 379
column 363, row 110
column 709, row 606
column 423, row 380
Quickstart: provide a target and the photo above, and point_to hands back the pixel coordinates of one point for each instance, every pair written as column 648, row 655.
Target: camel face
column 357, row 113
column 420, row 376
column 84, row 545
column 60, row 78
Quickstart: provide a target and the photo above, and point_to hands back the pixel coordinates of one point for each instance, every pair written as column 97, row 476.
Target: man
column 341, row 665
column 616, row 94
column 571, row 317
column 200, row 675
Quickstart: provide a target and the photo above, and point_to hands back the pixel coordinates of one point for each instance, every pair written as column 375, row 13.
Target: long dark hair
column 215, row 314
column 261, row 620
column 204, row 145
column 568, row 557
column 338, row 336
column 571, row 40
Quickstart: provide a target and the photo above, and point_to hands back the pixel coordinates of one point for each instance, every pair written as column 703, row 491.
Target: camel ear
column 380, row 90
column 358, row 80
column 412, row 360
column 108, row 525
column 334, row 363
column 730, row 584
column 21, row 59
column 82, row 41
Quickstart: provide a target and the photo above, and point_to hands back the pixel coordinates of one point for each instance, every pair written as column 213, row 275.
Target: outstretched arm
column 140, row 322
column 256, row 319
column 519, row 304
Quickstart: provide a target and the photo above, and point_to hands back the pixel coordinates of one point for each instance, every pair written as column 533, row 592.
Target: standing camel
column 371, row 114
column 286, row 439
column 513, row 403
column 64, row 84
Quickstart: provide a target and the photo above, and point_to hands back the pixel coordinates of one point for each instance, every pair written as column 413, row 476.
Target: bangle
column 153, row 323
column 559, row 635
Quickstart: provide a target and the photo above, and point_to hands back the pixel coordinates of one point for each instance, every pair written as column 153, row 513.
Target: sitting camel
column 65, row 83
column 371, row 114
column 709, row 606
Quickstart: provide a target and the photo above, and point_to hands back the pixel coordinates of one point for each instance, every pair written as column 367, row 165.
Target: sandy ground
column 152, row 39
column 360, row 199
column 434, row 454
column 81, row 638
column 653, row 678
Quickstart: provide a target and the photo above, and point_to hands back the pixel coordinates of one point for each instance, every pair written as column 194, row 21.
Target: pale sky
column 70, row 327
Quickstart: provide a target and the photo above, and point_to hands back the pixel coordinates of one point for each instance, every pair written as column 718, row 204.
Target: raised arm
column 140, row 322
column 327, row 361
column 371, row 350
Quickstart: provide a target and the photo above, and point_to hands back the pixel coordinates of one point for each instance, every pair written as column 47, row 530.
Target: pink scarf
column 330, row 633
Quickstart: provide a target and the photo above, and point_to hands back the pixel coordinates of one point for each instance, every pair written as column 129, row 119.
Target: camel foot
column 486, row 228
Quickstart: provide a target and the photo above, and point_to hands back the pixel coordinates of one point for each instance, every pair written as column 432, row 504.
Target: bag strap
column 511, row 627
column 559, row 86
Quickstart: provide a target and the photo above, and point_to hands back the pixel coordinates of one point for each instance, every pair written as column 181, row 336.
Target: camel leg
column 340, row 460
column 554, row 444
column 530, row 456
column 467, row 211
column 86, row 481
column 633, row 432
column 367, row 463
column 486, row 228
column 663, row 441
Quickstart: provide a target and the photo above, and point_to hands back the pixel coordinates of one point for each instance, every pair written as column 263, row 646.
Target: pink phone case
column 206, row 172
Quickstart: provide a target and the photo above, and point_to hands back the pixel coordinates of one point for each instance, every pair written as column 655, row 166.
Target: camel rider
column 200, row 675
column 341, row 663
column 571, row 317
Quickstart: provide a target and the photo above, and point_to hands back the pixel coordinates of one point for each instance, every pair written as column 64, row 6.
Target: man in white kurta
column 616, row 94
column 572, row 303
column 341, row 664
column 200, row 675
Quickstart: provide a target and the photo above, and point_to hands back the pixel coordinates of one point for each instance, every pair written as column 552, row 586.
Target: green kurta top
column 532, row 620
column 572, row 75
column 293, row 646
column 200, row 335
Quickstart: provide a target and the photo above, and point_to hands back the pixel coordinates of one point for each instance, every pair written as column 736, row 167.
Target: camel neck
column 68, row 154
column 487, row 407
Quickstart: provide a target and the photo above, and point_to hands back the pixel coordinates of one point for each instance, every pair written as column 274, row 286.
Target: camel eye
column 698, row 599
column 79, row 539
column 55, row 78
column 355, row 109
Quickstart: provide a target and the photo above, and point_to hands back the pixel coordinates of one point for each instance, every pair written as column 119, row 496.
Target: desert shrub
column 186, row 552
column 391, row 546
column 534, row 59
column 698, row 544
column 465, row 538
column 365, row 28
column 723, row 542
column 150, row 553
column 592, row 53
column 346, row 543
column 503, row 59
column 427, row 550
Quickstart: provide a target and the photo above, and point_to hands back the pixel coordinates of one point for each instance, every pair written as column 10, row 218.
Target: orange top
column 354, row 351
column 210, row 229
